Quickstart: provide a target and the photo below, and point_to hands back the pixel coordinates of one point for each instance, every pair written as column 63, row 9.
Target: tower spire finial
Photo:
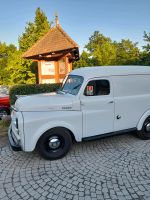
column 56, row 19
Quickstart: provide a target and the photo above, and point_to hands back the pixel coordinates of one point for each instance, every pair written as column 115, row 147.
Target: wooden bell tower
column 55, row 52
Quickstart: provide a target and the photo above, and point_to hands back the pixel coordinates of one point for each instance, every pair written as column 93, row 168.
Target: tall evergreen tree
column 42, row 25
column 34, row 30
column 13, row 68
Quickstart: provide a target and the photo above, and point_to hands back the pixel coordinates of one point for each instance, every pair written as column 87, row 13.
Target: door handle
column 111, row 102
column 82, row 104
column 118, row 117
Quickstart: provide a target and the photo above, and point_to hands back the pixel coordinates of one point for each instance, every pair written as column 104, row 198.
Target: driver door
column 97, row 105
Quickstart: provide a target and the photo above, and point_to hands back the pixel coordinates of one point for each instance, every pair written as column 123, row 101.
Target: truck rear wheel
column 54, row 144
column 144, row 133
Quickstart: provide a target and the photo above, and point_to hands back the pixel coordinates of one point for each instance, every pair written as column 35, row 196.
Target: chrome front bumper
column 13, row 140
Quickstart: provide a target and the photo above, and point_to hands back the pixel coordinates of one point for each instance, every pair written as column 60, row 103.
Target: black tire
column 63, row 138
column 4, row 112
column 143, row 133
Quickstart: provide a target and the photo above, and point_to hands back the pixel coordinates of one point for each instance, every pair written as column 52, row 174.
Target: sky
column 117, row 19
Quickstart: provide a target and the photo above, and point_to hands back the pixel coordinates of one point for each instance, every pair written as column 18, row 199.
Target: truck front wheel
column 144, row 133
column 54, row 144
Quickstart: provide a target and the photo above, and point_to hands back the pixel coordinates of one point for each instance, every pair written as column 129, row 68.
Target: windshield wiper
column 60, row 92
column 75, row 87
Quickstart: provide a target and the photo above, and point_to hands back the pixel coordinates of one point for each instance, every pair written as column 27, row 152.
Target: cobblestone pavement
column 117, row 167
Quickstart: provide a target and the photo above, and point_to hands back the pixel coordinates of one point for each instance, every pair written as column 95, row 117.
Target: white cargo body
column 92, row 102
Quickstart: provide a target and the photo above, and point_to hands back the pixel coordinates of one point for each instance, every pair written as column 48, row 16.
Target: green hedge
column 31, row 89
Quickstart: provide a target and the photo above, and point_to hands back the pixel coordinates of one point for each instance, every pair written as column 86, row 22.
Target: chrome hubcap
column 147, row 127
column 54, row 142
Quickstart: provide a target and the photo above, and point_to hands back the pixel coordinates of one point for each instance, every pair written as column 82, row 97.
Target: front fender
column 37, row 123
column 142, row 119
column 55, row 124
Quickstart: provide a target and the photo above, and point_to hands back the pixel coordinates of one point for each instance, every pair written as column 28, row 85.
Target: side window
column 97, row 88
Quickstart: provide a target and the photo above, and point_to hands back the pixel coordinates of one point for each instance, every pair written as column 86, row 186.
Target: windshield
column 72, row 84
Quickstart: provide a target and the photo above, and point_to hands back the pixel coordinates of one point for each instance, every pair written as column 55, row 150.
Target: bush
column 31, row 89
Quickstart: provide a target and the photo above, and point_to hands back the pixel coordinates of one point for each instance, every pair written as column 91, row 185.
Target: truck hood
column 47, row 102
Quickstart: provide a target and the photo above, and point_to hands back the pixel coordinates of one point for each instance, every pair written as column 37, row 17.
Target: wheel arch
column 142, row 119
column 58, row 127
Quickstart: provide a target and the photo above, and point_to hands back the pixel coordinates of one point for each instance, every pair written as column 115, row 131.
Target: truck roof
column 98, row 71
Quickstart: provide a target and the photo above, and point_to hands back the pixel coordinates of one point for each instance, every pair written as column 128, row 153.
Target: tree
column 127, row 53
column 42, row 25
column 5, row 53
column 34, row 30
column 13, row 68
column 27, row 39
column 19, row 70
column 147, row 39
column 101, row 49
column 84, row 61
column 145, row 55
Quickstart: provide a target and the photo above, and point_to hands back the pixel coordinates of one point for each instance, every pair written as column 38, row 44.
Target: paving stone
column 114, row 168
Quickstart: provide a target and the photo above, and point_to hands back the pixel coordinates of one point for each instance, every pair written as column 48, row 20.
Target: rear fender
column 142, row 119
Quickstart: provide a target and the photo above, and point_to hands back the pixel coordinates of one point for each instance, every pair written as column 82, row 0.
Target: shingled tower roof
column 52, row 43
